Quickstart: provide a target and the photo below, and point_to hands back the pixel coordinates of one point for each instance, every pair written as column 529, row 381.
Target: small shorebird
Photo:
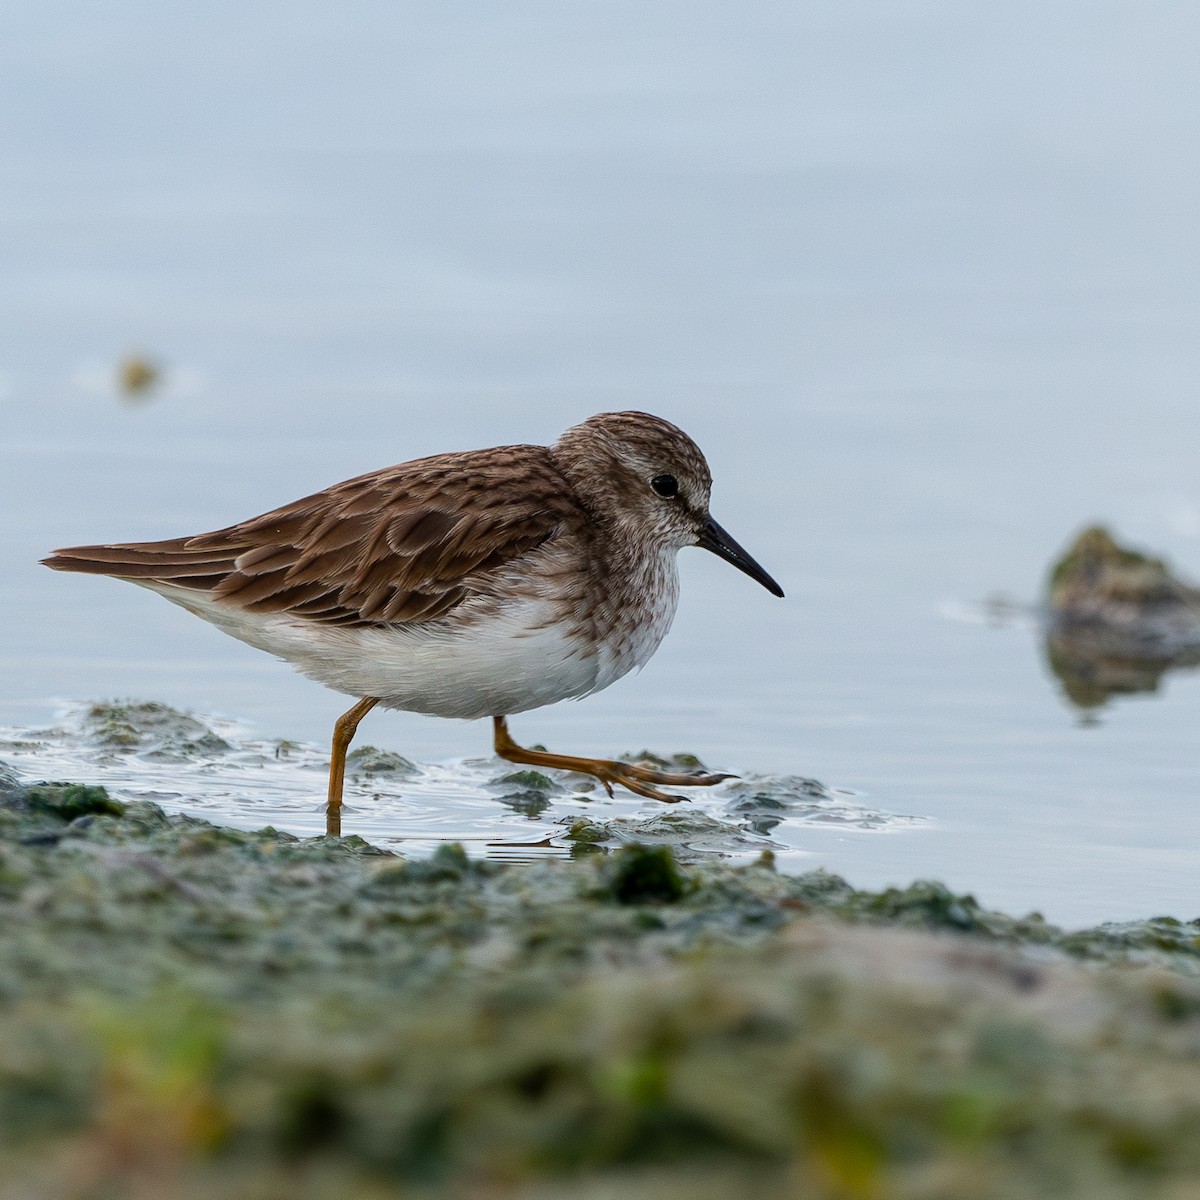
column 476, row 584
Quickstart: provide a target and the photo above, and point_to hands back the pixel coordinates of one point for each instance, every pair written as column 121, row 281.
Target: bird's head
column 645, row 477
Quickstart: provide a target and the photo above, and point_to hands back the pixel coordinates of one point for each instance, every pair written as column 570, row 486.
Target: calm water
column 920, row 277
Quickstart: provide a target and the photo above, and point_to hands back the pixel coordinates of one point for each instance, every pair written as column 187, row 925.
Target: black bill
column 714, row 538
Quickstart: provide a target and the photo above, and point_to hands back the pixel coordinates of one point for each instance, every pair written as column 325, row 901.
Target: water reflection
column 1092, row 668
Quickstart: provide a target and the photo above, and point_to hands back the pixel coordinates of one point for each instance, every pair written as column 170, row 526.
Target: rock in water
column 1117, row 619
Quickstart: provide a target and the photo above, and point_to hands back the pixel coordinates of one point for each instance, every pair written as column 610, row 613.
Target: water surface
column 919, row 278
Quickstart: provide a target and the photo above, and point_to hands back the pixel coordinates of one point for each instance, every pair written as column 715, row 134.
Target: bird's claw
column 639, row 779
column 676, row 778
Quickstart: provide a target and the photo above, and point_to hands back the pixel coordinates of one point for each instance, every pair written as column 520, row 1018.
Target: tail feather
column 170, row 561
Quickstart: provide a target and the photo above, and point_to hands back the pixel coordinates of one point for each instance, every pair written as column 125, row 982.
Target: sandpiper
column 475, row 584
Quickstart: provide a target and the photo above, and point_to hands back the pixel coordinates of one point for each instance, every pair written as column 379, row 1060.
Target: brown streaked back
column 407, row 543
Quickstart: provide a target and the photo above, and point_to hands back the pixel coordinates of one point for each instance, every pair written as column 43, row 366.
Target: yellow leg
column 636, row 779
column 343, row 734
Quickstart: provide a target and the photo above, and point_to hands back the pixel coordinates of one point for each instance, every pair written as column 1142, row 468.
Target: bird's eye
column 665, row 485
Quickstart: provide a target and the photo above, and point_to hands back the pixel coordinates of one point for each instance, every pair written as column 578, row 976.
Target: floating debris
column 138, row 376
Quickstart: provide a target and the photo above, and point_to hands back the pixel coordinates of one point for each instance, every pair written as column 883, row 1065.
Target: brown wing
column 407, row 543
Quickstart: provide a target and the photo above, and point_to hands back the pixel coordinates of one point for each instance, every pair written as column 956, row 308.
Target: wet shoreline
column 218, row 769
column 190, row 1009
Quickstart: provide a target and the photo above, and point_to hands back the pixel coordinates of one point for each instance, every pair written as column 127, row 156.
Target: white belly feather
column 510, row 661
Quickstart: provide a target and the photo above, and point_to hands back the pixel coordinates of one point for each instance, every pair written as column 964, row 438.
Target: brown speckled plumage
column 407, row 543
column 472, row 584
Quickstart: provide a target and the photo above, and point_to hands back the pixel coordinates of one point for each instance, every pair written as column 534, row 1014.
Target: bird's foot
column 638, row 779
column 635, row 778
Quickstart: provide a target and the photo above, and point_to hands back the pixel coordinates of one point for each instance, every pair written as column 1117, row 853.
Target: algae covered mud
column 190, row 1011
column 217, row 769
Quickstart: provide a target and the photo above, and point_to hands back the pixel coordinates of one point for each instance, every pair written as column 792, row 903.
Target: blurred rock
column 192, row 1011
column 1117, row 620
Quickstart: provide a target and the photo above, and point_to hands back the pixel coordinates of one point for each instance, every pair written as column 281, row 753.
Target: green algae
column 674, row 762
column 155, row 730
column 643, row 875
column 528, row 792
column 691, row 835
column 188, row 1010
column 71, row 800
column 528, row 781
column 368, row 760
